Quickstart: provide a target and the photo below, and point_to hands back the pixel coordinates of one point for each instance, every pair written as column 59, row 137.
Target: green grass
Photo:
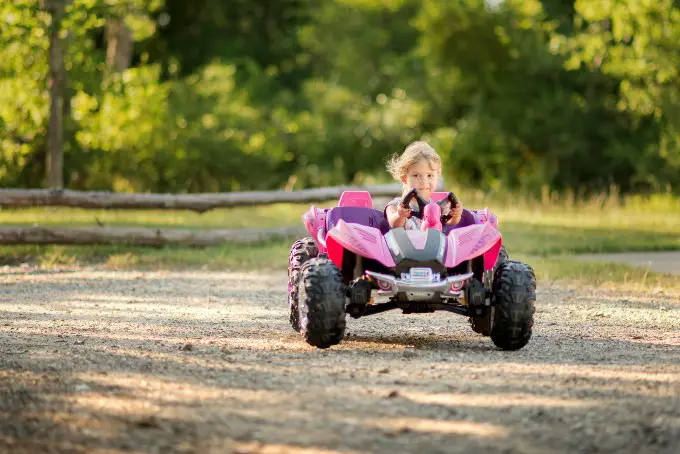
column 546, row 240
column 599, row 274
column 543, row 232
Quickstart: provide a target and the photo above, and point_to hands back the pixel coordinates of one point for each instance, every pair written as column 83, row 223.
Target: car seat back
column 356, row 199
column 357, row 215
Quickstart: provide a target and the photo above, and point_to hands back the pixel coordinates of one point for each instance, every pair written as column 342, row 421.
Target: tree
column 56, row 84
column 163, row 95
column 638, row 44
column 542, row 91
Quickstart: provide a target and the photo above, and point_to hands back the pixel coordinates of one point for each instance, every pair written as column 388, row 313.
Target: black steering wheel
column 453, row 200
column 406, row 203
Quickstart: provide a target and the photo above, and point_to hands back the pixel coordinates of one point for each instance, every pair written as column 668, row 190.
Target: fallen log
column 142, row 236
column 21, row 198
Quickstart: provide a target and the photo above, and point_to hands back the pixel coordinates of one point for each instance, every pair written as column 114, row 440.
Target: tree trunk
column 142, row 236
column 16, row 198
column 118, row 44
column 56, row 84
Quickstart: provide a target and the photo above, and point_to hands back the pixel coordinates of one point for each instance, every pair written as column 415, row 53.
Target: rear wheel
column 301, row 251
column 481, row 323
column 321, row 303
column 514, row 295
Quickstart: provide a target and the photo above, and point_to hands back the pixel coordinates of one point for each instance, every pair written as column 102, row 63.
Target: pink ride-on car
column 352, row 256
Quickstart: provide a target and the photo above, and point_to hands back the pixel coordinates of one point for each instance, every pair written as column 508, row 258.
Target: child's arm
column 456, row 214
column 397, row 215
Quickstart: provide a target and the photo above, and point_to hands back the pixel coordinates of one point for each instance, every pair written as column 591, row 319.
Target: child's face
column 422, row 176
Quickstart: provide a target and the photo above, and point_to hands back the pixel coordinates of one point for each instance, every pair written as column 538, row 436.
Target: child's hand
column 403, row 211
column 397, row 215
column 456, row 213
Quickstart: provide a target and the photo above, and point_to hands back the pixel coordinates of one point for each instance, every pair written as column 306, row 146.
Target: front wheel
column 514, row 294
column 301, row 251
column 321, row 303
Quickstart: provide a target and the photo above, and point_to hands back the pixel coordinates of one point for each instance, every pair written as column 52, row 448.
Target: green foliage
column 574, row 95
column 638, row 43
column 23, row 95
column 531, row 116
column 183, row 135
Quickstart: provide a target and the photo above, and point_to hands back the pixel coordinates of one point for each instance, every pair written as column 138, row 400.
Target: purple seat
column 357, row 215
column 374, row 218
column 466, row 219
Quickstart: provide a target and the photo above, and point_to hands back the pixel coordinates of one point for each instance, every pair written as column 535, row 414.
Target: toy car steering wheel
column 453, row 200
column 406, row 203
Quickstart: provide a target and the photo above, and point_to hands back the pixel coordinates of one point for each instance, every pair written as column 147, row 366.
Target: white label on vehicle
column 421, row 274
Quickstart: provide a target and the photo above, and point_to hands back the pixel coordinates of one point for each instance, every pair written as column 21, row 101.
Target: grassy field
column 543, row 232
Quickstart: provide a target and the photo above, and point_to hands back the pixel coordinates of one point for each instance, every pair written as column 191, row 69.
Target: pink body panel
column 462, row 244
column 471, row 241
column 362, row 240
column 315, row 219
column 491, row 255
column 482, row 216
column 356, row 199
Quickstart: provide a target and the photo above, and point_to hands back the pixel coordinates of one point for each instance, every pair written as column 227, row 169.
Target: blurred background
column 229, row 95
column 562, row 116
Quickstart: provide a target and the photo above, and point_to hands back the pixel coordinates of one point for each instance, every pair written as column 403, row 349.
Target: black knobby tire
column 482, row 323
column 301, row 251
column 514, row 295
column 503, row 257
column 321, row 303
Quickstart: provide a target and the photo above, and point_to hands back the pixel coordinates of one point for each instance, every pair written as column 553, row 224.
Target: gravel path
column 661, row 262
column 205, row 362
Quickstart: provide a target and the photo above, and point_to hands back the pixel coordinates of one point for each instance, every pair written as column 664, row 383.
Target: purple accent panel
column 466, row 220
column 357, row 215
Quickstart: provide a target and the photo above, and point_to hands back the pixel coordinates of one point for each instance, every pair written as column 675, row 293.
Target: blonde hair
column 398, row 165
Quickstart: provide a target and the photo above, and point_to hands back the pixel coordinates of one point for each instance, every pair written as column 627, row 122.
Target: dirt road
column 108, row 362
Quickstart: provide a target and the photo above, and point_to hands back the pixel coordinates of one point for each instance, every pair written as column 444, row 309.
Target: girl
column 419, row 166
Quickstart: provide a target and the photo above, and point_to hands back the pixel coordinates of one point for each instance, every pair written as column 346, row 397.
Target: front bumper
column 420, row 290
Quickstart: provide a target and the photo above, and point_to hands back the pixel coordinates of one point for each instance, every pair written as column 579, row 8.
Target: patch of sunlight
column 441, row 427
column 146, row 308
column 359, row 343
column 495, row 400
column 261, row 448
column 115, row 299
column 164, row 391
column 117, row 405
column 599, row 372
column 268, row 341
